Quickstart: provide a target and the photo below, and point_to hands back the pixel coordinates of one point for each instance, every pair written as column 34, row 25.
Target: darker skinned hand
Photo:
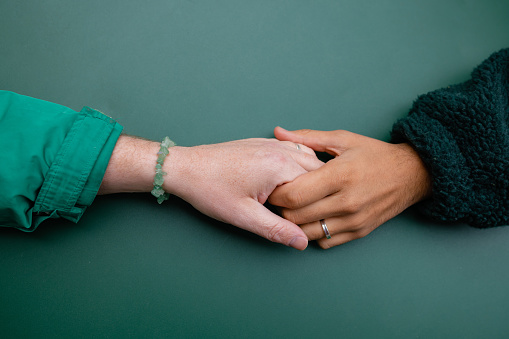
column 366, row 183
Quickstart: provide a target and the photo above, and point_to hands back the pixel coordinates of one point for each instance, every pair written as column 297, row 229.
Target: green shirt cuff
column 75, row 176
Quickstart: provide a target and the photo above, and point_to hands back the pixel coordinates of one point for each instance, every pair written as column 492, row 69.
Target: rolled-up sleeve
column 53, row 159
column 461, row 132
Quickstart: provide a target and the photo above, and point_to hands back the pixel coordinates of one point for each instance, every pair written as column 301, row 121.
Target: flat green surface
column 208, row 71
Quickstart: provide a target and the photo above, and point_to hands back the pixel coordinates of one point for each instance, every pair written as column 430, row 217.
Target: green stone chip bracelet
column 158, row 190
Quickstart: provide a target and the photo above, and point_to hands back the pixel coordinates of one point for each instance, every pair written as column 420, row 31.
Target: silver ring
column 298, row 146
column 325, row 229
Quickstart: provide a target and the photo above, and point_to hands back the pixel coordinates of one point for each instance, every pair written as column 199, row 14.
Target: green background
column 210, row 71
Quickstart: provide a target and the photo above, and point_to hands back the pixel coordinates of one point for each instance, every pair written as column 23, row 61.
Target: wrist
column 419, row 176
column 133, row 163
column 175, row 166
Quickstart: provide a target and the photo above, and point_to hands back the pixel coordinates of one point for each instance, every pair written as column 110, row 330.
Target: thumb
column 332, row 142
column 260, row 220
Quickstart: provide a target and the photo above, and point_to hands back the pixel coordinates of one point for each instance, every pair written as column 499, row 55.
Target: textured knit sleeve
column 461, row 133
column 53, row 159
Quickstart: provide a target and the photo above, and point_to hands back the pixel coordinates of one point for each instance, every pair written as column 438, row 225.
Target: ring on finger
column 325, row 229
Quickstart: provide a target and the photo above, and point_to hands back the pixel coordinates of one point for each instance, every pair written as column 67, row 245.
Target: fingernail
column 299, row 243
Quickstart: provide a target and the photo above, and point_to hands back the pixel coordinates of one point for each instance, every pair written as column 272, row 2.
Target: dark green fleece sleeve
column 461, row 133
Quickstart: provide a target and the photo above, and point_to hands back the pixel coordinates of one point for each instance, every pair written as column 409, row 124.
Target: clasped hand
column 366, row 183
column 231, row 181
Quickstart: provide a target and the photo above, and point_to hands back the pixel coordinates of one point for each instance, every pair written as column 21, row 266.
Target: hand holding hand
column 231, row 181
column 367, row 183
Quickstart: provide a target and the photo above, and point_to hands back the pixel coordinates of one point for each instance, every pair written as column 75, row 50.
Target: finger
column 308, row 188
column 258, row 219
column 307, row 161
column 305, row 148
column 314, row 230
column 338, row 239
column 335, row 226
column 342, row 229
column 332, row 142
column 304, row 156
column 327, row 207
column 301, row 147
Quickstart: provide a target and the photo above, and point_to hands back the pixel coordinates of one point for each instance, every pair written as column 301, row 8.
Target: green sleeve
column 462, row 134
column 52, row 161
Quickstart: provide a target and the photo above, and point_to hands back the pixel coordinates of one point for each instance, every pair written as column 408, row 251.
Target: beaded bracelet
column 158, row 190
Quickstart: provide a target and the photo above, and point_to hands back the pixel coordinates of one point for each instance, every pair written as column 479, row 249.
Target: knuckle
column 363, row 232
column 338, row 180
column 344, row 177
column 357, row 223
column 288, row 214
column 350, row 175
column 275, row 232
column 278, row 158
column 276, row 161
column 305, row 131
column 343, row 134
column 271, row 155
column 293, row 199
column 324, row 245
column 352, row 205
